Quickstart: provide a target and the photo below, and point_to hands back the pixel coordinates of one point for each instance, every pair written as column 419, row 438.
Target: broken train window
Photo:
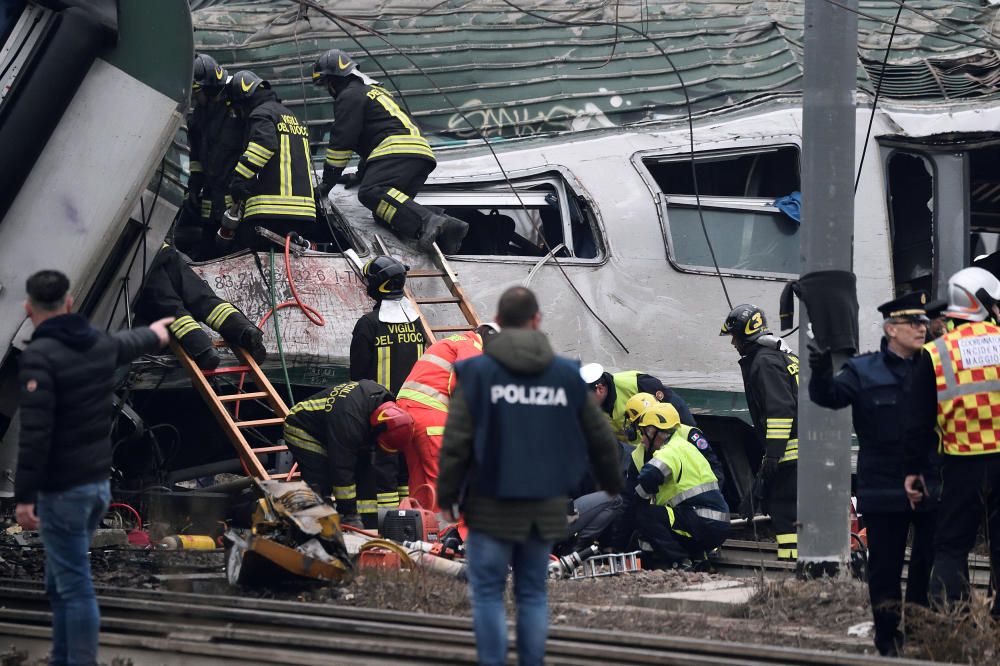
column 504, row 224
column 738, row 190
column 911, row 220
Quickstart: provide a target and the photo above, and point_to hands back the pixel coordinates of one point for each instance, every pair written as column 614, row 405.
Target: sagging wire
column 878, row 91
column 496, row 158
column 690, row 121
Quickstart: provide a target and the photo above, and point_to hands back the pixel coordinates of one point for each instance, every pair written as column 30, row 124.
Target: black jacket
column 215, row 136
column 273, row 176
column 370, row 123
column 67, row 379
column 771, row 384
column 385, row 353
column 875, row 385
column 524, row 352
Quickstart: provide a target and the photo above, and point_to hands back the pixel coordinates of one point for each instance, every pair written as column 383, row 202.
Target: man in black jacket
column 395, row 158
column 67, row 379
column 876, row 385
column 521, row 428
column 771, row 381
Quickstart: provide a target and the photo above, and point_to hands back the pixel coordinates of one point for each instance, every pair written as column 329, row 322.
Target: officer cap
column 936, row 308
column 908, row 306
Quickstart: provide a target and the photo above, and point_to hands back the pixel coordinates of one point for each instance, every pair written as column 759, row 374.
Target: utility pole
column 826, row 243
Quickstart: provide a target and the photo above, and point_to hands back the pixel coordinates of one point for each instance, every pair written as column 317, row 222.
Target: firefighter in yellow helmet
column 672, row 497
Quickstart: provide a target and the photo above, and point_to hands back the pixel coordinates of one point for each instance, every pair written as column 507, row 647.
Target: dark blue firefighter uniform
column 874, row 385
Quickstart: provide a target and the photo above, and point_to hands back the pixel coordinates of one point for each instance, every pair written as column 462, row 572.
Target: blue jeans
column 488, row 560
column 68, row 519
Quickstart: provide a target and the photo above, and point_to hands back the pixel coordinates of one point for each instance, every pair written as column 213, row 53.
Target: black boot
column 253, row 341
column 445, row 229
column 207, row 359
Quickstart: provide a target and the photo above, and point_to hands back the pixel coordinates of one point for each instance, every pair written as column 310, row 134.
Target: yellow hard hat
column 638, row 404
column 662, row 416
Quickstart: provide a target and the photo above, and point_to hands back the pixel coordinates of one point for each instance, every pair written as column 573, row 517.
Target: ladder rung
column 438, row 299
column 228, row 370
column 270, row 449
column 259, row 422
column 446, row 329
column 235, row 397
column 425, row 274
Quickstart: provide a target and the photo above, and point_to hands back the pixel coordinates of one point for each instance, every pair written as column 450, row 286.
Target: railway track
column 261, row 631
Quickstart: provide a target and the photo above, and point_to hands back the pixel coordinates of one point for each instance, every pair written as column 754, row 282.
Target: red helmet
column 393, row 427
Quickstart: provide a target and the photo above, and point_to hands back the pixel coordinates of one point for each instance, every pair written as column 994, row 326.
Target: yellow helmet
column 638, row 404
column 662, row 416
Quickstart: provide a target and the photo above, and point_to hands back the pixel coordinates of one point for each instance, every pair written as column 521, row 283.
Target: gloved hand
column 350, row 180
column 224, row 240
column 819, row 360
column 196, row 181
column 768, row 467
column 324, row 189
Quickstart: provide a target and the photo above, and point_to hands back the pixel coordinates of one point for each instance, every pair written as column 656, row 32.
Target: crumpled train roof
column 516, row 75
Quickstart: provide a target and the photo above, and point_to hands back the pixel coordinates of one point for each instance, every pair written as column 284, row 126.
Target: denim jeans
column 488, row 560
column 68, row 519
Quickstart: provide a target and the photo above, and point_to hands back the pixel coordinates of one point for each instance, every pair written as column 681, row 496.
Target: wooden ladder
column 450, row 280
column 261, row 393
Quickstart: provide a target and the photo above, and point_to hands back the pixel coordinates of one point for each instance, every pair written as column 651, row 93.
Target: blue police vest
column 528, row 440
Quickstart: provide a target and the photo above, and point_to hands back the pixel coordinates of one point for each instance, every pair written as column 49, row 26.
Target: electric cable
column 486, row 142
column 878, row 90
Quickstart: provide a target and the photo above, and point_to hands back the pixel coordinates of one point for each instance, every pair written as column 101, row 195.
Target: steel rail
column 299, row 630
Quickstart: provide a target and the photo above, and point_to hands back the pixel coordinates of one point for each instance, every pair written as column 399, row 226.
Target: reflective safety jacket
column 433, row 376
column 625, row 385
column 273, row 176
column 385, row 352
column 771, row 384
column 966, row 365
column 677, row 474
column 334, row 423
column 696, row 437
column 369, row 122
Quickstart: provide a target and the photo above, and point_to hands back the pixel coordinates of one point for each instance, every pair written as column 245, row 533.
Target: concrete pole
column 826, row 240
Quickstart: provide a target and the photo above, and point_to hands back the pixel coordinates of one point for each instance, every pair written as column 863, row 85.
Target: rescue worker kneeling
column 345, row 440
column 672, row 494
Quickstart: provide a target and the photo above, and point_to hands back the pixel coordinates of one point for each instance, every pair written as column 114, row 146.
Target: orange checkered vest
column 432, row 378
column 967, row 372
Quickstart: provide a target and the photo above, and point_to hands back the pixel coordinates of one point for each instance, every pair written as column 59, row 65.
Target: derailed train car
column 582, row 135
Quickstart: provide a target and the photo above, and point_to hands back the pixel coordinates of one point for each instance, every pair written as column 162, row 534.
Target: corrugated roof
column 515, row 75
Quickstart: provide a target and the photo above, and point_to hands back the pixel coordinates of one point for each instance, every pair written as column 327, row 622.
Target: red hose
column 309, row 311
column 138, row 518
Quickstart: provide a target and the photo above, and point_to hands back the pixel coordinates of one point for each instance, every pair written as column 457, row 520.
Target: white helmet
column 591, row 372
column 971, row 292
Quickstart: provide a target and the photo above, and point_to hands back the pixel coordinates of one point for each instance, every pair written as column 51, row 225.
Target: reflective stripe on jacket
column 967, row 372
column 433, row 376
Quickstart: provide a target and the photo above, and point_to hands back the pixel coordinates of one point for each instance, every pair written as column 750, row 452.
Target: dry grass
column 832, row 603
column 959, row 633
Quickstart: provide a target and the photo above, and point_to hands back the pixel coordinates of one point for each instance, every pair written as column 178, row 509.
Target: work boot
column 445, row 229
column 208, row 359
column 252, row 340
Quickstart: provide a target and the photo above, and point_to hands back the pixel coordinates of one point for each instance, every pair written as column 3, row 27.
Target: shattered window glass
column 738, row 190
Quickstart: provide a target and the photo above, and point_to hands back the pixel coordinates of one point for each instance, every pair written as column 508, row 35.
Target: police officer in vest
column 612, row 391
column 954, row 395
column 395, row 157
column 272, row 182
column 388, row 340
column 671, row 493
column 875, row 386
column 771, row 383
column 519, row 433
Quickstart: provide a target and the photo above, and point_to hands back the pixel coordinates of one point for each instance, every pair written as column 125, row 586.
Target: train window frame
column 720, row 205
column 495, row 195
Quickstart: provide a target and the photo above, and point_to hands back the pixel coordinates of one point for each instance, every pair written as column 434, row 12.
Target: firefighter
column 875, row 386
column 671, row 494
column 425, row 395
column 395, row 158
column 770, row 381
column 388, row 340
column 215, row 137
column 954, row 405
column 612, row 391
column 172, row 289
column 639, row 403
column 345, row 440
column 272, row 180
